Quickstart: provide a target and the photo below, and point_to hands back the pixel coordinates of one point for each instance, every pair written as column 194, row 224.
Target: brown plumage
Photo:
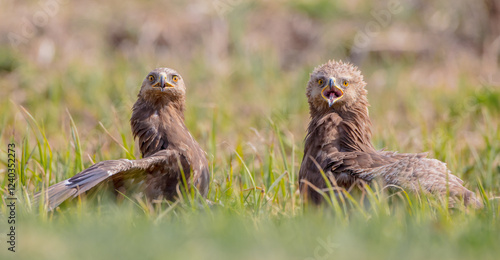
column 165, row 144
column 338, row 142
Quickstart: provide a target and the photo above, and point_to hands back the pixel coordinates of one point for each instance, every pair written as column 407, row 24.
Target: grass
column 251, row 120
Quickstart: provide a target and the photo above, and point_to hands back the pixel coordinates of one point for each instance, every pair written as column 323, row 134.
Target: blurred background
column 70, row 72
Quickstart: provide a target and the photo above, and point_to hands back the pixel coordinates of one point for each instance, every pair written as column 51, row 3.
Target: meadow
column 68, row 89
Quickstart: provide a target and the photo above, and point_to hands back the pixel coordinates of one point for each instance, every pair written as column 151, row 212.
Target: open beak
column 163, row 83
column 331, row 92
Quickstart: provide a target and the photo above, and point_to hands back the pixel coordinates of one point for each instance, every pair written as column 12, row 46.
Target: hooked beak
column 163, row 83
column 331, row 92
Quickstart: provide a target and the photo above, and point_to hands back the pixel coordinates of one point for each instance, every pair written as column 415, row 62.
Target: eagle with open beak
column 338, row 143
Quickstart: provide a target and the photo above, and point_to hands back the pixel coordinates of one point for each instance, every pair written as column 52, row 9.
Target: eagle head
column 335, row 86
column 163, row 83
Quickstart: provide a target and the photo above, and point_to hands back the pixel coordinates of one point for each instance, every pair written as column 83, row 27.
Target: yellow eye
column 346, row 84
column 151, row 78
column 175, row 78
column 320, row 81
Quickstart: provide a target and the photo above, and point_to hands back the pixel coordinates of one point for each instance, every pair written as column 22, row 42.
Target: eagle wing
column 166, row 161
column 412, row 172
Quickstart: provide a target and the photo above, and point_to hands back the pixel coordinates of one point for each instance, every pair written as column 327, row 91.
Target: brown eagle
column 167, row 147
column 338, row 142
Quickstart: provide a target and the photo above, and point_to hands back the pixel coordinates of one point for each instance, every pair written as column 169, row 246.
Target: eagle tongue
column 331, row 99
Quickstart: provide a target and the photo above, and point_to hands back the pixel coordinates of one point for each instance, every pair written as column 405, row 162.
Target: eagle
column 338, row 143
column 169, row 152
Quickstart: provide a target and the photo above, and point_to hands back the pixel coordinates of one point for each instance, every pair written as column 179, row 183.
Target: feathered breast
column 148, row 127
